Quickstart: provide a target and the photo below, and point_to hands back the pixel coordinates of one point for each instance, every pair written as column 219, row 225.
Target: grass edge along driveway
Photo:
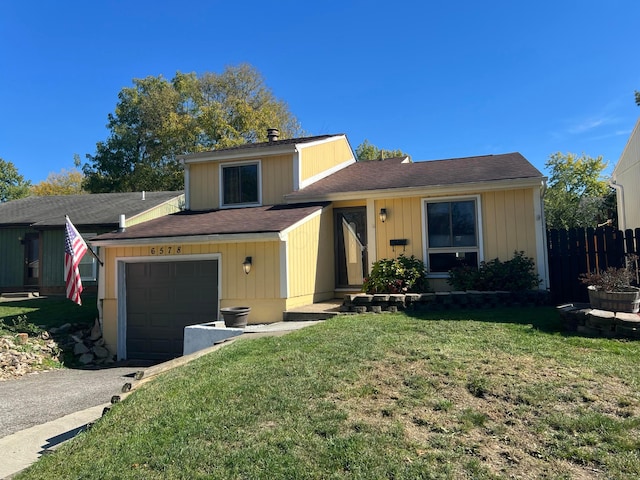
column 458, row 394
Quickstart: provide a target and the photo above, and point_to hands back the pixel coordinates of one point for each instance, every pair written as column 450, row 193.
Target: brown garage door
column 163, row 298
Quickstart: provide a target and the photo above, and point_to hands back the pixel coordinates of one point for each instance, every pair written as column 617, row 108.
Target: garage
column 164, row 297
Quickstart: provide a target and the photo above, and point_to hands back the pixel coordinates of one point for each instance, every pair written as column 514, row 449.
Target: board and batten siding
column 319, row 158
column 172, row 206
column 626, row 178
column 310, row 259
column 276, row 173
column 260, row 289
column 508, row 225
column 12, row 251
column 404, row 221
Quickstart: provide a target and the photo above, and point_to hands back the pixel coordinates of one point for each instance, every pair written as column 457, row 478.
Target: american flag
column 74, row 250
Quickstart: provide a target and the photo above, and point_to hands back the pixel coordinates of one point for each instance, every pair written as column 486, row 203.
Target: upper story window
column 452, row 234
column 240, row 184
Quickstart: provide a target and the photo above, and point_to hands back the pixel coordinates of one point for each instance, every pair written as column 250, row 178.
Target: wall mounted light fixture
column 383, row 215
column 246, row 265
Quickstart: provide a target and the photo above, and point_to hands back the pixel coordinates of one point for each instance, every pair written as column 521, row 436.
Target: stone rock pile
column 21, row 354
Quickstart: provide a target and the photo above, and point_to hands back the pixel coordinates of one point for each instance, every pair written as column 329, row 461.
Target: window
column 88, row 268
column 240, row 184
column 452, row 234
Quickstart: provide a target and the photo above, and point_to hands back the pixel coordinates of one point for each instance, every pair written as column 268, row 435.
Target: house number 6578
column 166, row 250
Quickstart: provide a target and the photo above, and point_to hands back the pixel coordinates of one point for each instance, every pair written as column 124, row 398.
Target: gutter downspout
column 622, row 212
column 543, row 223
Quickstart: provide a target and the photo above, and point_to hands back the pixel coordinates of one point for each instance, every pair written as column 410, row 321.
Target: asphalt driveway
column 41, row 397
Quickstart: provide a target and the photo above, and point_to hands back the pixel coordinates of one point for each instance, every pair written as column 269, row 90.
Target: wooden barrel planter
column 627, row 300
column 235, row 317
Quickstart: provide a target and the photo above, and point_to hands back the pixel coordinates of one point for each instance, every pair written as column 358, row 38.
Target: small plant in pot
column 612, row 289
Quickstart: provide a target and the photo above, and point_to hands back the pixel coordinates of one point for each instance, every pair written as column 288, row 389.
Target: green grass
column 49, row 312
column 482, row 395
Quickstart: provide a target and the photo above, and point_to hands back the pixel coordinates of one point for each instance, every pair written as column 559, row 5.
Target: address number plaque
column 166, row 250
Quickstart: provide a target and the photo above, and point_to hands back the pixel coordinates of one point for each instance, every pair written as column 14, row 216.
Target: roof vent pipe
column 273, row 134
column 143, row 195
column 121, row 226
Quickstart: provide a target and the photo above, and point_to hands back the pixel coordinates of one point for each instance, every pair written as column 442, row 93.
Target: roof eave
column 459, row 188
column 236, row 154
column 191, row 239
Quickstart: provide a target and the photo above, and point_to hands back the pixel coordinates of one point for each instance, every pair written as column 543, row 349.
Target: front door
column 31, row 259
column 351, row 246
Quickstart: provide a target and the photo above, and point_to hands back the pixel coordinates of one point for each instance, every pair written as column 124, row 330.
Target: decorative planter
column 623, row 301
column 235, row 317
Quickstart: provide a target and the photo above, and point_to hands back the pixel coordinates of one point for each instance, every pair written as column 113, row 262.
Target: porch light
column 246, row 265
column 383, row 214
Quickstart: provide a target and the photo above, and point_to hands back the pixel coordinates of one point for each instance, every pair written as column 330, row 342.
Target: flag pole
column 88, row 247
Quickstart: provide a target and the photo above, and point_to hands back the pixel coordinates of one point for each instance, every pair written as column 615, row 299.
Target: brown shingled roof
column 392, row 173
column 219, row 222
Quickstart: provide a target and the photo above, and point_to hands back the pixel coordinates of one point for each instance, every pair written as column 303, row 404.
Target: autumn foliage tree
column 67, row 182
column 156, row 120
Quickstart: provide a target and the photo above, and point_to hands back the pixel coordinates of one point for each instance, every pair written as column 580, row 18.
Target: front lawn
column 488, row 394
column 49, row 312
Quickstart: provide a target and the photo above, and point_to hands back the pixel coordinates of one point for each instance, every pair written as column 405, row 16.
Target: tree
column 67, row 182
column 156, row 120
column 577, row 194
column 12, row 184
column 367, row 151
column 637, row 98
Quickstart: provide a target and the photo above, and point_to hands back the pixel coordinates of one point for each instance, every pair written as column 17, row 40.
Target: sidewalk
column 21, row 449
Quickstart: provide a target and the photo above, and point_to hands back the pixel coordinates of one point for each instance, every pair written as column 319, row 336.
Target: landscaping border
column 378, row 303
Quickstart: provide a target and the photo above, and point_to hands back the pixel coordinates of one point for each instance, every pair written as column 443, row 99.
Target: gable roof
column 261, row 148
column 83, row 210
column 400, row 173
column 233, row 221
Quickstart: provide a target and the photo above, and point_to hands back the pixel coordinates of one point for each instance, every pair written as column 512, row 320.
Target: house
column 625, row 179
column 286, row 223
column 32, row 234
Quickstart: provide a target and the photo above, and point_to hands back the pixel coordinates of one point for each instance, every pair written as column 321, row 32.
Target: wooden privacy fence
column 579, row 250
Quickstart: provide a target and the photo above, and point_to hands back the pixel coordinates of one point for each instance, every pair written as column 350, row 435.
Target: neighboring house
column 32, row 234
column 305, row 218
column 625, row 179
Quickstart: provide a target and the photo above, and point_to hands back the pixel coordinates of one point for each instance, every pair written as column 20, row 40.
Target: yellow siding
column 166, row 208
column 203, row 186
column 310, row 260
column 260, row 289
column 404, row 220
column 508, row 222
column 276, row 176
column 316, row 159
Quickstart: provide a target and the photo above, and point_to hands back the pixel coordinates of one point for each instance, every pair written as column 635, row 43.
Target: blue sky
column 436, row 79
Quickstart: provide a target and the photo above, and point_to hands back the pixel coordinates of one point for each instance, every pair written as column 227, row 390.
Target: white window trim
column 88, row 256
column 425, row 242
column 221, row 183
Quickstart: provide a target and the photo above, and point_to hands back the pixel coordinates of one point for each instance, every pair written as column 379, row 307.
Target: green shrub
column 399, row 275
column 512, row 275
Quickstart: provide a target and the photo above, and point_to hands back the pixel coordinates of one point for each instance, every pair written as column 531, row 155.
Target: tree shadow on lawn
column 543, row 318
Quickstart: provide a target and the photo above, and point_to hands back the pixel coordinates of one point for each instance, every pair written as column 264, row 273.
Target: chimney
column 273, row 134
